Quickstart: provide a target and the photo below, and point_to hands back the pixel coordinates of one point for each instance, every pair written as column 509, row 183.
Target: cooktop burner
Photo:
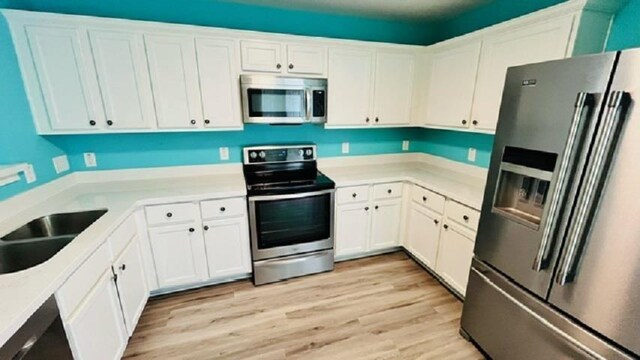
column 274, row 170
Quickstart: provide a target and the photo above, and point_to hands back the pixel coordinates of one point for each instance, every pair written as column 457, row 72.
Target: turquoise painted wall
column 454, row 145
column 168, row 149
column 493, row 12
column 18, row 141
column 625, row 30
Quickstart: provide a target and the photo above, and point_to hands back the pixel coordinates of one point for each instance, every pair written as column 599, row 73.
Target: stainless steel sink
column 40, row 239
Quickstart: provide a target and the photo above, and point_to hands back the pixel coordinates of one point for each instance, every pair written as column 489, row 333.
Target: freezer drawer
column 508, row 323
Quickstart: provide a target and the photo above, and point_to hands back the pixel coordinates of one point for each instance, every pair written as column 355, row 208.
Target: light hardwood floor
column 383, row 307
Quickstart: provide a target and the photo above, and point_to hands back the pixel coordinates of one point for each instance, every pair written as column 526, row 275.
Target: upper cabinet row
column 466, row 78
column 85, row 75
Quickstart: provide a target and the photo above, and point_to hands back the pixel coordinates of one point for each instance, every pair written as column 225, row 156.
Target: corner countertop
column 23, row 292
column 459, row 186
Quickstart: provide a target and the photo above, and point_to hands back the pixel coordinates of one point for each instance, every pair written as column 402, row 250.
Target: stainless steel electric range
column 290, row 212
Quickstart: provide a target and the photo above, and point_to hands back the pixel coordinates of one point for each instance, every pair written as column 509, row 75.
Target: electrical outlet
column 30, row 174
column 61, row 163
column 345, row 147
column 224, row 153
column 471, row 156
column 90, row 160
column 405, row 145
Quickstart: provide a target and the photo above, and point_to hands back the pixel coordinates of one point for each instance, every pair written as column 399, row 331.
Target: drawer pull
column 366, row 208
column 424, row 198
column 223, row 209
column 376, row 207
column 389, row 191
column 465, row 217
column 206, row 227
column 435, row 221
column 354, row 195
column 169, row 214
column 445, row 226
column 192, row 230
column 123, row 267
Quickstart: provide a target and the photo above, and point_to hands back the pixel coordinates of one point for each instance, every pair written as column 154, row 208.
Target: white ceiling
column 393, row 9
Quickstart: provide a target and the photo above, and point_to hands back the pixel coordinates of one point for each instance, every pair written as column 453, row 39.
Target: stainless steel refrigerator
column 556, row 269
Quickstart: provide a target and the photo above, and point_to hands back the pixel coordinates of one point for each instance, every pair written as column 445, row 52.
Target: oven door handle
column 289, row 196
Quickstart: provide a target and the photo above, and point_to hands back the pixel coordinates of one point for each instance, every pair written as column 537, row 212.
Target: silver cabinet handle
column 566, row 164
column 606, row 137
column 307, row 93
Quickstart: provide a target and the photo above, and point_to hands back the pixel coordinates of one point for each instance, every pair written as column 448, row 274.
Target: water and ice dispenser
column 523, row 185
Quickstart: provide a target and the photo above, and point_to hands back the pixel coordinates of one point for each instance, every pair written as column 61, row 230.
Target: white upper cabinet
column 63, row 79
column 451, row 85
column 523, row 45
column 123, row 76
column 219, row 84
column 305, row 59
column 393, row 88
column 263, row 56
column 350, row 87
column 174, row 79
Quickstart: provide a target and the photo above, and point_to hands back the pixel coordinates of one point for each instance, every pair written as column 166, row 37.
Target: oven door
column 282, row 225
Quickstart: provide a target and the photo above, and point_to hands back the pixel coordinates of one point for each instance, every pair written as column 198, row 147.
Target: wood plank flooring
column 383, row 307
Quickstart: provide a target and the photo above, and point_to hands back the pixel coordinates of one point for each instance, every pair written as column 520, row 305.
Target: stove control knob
column 308, row 152
column 253, row 154
column 262, row 154
column 300, row 152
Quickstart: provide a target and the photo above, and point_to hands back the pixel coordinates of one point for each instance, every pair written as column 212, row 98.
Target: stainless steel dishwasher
column 41, row 337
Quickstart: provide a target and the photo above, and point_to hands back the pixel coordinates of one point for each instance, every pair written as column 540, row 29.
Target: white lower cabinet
column 423, row 234
column 179, row 254
column 96, row 330
column 227, row 244
column 385, row 225
column 132, row 285
column 454, row 255
column 352, row 229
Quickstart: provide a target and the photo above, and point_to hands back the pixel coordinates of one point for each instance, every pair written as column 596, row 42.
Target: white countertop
column 464, row 188
column 24, row 291
column 121, row 192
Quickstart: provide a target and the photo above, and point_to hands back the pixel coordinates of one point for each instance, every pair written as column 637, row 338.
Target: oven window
column 276, row 103
column 293, row 221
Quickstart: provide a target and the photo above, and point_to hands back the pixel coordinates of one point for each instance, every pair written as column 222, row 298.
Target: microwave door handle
column 605, row 142
column 307, row 101
column 583, row 101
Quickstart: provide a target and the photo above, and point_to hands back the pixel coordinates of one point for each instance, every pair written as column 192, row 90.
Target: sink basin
column 40, row 239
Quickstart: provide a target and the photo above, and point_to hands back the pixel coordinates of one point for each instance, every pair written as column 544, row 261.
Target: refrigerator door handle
column 583, row 100
column 606, row 137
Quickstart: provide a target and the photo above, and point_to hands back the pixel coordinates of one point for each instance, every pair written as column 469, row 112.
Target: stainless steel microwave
column 283, row 100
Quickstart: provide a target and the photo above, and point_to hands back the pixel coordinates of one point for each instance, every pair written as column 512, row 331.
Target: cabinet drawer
column 463, row 215
column 428, row 198
column 80, row 283
column 122, row 236
column 352, row 194
column 387, row 191
column 171, row 213
column 223, row 208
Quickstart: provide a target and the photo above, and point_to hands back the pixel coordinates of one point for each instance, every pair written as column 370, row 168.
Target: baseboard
column 199, row 285
column 442, row 282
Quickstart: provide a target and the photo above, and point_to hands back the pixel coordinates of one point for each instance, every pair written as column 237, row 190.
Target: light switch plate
column 90, row 160
column 471, row 156
column 224, row 153
column 61, row 163
column 30, row 174
column 405, row 145
column 345, row 147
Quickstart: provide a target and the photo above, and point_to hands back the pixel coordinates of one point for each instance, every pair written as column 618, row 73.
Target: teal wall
column 454, row 145
column 493, row 12
column 625, row 30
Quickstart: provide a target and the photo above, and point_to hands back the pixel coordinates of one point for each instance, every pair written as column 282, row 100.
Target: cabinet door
column 132, row 286
column 174, row 80
column 350, row 87
column 540, row 42
column 352, row 229
column 261, row 56
column 454, row 256
column 393, row 88
column 123, row 76
column 451, row 86
column 179, row 254
column 67, row 84
column 217, row 66
column 228, row 250
column 96, row 330
column 302, row 59
column 424, row 234
column 386, row 224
